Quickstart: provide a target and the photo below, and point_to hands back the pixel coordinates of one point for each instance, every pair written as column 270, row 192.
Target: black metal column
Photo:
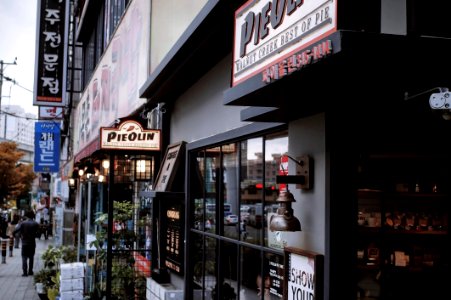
column 109, row 258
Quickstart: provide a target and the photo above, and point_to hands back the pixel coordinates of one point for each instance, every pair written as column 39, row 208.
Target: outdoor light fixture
column 106, row 164
column 284, row 220
column 303, row 178
column 71, row 182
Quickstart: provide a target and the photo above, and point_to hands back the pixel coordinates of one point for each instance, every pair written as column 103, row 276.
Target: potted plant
column 47, row 279
column 126, row 282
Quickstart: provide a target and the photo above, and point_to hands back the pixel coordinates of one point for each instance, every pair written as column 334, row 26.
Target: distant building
column 17, row 125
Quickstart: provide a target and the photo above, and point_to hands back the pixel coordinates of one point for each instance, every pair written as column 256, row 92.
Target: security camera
column 440, row 100
column 446, row 115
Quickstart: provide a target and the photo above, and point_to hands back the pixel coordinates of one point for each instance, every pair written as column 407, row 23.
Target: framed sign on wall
column 169, row 166
column 304, row 274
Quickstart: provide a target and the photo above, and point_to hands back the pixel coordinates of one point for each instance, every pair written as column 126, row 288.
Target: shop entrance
column 115, row 225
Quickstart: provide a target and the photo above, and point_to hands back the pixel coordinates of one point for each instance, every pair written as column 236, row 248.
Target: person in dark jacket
column 28, row 230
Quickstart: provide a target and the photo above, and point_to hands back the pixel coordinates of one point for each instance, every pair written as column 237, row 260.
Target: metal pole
column 1, row 82
column 2, row 63
column 109, row 258
column 1, row 86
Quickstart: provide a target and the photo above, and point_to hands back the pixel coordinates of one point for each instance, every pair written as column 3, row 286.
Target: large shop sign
column 130, row 135
column 46, row 147
column 270, row 31
column 50, row 72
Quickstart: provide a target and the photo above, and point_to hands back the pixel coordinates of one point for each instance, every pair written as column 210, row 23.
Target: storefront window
column 251, row 190
column 230, row 171
column 197, row 180
column 204, row 266
column 261, row 280
column 250, row 271
column 212, row 169
column 275, row 147
column 233, row 192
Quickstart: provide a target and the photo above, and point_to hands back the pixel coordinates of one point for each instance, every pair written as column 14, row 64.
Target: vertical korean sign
column 46, row 147
column 50, row 70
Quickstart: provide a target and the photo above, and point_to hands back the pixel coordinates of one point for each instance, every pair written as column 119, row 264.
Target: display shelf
column 403, row 221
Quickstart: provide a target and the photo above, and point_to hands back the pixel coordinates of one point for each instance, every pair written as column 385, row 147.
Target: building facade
column 339, row 103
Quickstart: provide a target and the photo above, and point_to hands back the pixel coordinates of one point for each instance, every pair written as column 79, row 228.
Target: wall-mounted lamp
column 303, row 178
column 284, row 220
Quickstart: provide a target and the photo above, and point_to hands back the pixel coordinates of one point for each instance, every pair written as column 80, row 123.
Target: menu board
column 174, row 246
column 276, row 275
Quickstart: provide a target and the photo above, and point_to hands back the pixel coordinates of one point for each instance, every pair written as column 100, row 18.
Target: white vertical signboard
column 304, row 274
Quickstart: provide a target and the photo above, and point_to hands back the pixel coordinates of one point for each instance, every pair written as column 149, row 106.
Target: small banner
column 46, row 147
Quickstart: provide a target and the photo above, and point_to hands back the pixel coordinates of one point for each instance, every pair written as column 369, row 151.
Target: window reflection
column 231, row 192
column 250, row 270
column 228, row 288
column 210, row 266
column 251, row 189
column 275, row 147
column 197, row 192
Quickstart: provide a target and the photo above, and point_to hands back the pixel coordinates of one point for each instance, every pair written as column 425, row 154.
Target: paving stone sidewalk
column 12, row 285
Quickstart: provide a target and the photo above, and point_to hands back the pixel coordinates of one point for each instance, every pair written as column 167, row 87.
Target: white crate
column 72, row 270
column 75, row 284
column 72, row 295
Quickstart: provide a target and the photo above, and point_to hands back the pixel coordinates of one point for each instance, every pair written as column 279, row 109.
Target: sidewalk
column 12, row 285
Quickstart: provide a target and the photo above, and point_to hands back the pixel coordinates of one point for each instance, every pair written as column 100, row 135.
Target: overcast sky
column 18, row 39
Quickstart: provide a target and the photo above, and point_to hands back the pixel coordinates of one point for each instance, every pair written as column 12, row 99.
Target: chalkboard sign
column 304, row 274
column 166, row 174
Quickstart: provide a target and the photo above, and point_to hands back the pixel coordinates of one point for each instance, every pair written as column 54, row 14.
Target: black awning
column 370, row 71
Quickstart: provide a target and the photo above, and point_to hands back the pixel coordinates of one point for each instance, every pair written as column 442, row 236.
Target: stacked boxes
column 164, row 291
column 72, row 281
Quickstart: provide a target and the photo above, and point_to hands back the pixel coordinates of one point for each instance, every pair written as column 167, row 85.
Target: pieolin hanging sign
column 270, row 31
column 130, row 135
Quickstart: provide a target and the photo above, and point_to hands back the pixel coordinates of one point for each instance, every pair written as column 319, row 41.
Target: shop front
column 341, row 100
column 115, row 218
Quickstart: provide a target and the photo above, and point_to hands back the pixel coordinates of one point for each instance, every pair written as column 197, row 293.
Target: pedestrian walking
column 3, row 236
column 28, row 229
column 10, row 233
column 243, row 230
column 15, row 222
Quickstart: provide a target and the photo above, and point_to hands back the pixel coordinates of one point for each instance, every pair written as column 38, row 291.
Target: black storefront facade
column 375, row 209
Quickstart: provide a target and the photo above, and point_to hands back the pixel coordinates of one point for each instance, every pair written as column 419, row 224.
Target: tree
column 15, row 178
